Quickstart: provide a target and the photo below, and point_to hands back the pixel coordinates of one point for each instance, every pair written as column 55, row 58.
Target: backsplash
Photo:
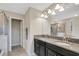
column 73, row 40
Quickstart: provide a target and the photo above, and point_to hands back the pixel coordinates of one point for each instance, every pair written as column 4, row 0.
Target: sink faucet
column 67, row 38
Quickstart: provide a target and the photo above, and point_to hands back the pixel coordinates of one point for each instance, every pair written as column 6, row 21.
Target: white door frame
column 10, row 32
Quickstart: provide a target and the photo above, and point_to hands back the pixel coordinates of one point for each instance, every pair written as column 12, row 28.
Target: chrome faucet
column 67, row 38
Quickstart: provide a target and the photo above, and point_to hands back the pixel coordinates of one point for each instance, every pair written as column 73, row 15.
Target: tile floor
column 17, row 51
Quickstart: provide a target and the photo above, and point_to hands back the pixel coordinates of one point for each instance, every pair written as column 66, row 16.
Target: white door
column 16, row 32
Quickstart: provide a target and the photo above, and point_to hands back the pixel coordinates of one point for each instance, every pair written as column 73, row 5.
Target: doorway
column 16, row 33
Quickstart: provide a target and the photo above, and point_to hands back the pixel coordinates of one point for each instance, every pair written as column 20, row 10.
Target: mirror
column 67, row 27
column 58, row 28
column 72, row 27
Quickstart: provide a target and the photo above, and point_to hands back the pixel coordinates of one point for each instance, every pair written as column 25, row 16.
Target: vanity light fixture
column 61, row 9
column 42, row 15
column 53, row 13
column 57, row 7
column 49, row 11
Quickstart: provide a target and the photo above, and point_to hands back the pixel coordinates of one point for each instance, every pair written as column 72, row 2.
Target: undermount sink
column 63, row 44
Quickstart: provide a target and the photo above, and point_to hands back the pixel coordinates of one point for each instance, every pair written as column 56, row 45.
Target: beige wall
column 75, row 26
column 36, row 26
column 1, row 23
column 26, row 24
column 14, row 15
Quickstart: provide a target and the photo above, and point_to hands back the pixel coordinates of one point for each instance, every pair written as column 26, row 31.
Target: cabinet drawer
column 42, row 50
column 61, row 50
column 50, row 52
column 37, row 51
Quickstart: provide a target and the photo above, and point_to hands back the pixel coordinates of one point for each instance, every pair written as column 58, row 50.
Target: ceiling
column 21, row 8
column 70, row 10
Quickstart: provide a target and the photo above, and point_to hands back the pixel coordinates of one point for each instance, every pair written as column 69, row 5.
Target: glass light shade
column 61, row 9
column 46, row 16
column 42, row 15
column 57, row 7
column 49, row 11
column 53, row 13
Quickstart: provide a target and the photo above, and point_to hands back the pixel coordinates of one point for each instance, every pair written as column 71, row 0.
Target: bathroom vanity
column 52, row 47
column 63, row 39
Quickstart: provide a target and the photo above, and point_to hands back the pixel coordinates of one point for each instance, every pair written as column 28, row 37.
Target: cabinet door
column 36, row 48
column 50, row 52
column 37, row 51
column 42, row 50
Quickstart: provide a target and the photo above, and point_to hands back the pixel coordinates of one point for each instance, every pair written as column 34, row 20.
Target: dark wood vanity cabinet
column 51, row 51
column 61, row 51
column 36, row 48
column 46, row 49
column 39, row 47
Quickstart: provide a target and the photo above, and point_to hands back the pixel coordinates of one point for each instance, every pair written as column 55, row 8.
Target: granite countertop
column 69, row 46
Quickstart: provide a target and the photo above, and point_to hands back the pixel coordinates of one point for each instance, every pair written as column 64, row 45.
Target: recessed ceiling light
column 49, row 11
column 57, row 7
column 42, row 15
column 46, row 16
column 61, row 9
column 53, row 13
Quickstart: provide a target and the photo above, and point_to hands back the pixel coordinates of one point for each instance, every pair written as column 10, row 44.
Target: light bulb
column 46, row 16
column 42, row 15
column 49, row 11
column 57, row 6
column 53, row 13
column 61, row 9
